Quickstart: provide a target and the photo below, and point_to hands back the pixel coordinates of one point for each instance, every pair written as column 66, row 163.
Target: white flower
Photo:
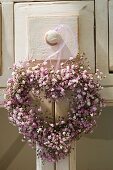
column 14, row 111
column 39, row 110
column 67, row 76
column 23, row 81
column 54, row 80
column 61, row 147
column 57, row 71
column 85, row 88
column 13, row 73
column 64, row 133
column 72, row 66
column 85, row 71
column 52, row 89
column 29, row 71
column 31, row 80
column 61, row 64
column 74, row 117
column 8, row 84
column 19, row 91
column 34, row 68
column 53, row 96
column 58, row 77
column 67, row 67
column 79, row 96
column 9, row 102
column 10, row 118
column 44, row 83
column 91, row 114
column 84, row 76
column 75, row 80
column 66, row 150
column 97, row 70
column 89, row 103
column 31, row 111
column 17, row 96
column 40, row 129
column 71, row 58
column 45, row 63
column 52, row 125
column 23, row 73
column 81, row 67
column 49, row 137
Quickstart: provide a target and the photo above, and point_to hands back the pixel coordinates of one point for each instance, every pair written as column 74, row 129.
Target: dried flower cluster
column 31, row 79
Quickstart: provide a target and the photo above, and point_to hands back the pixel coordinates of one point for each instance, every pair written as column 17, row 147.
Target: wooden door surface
column 104, row 34
column 32, row 21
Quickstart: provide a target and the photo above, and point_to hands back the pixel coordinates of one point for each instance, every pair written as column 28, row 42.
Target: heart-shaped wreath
column 72, row 81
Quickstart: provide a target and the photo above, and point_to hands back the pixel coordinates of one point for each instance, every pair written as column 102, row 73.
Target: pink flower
column 71, row 82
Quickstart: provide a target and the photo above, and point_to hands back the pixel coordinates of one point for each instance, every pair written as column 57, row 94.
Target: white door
column 104, row 40
column 32, row 20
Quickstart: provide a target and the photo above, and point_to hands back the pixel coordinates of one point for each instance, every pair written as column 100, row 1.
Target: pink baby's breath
column 73, row 82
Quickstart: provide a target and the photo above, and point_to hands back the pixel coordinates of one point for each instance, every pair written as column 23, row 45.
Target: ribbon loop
column 67, row 30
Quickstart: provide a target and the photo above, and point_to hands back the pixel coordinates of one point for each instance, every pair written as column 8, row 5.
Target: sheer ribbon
column 68, row 32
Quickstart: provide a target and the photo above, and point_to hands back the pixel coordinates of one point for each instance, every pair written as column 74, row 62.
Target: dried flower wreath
column 72, row 81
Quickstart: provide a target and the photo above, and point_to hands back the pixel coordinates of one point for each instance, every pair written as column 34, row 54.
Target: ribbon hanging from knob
column 53, row 37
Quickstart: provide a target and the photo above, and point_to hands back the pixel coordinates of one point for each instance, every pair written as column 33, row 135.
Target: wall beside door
column 94, row 152
column 14, row 154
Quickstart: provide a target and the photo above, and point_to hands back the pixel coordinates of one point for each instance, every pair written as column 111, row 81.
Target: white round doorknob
column 52, row 37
